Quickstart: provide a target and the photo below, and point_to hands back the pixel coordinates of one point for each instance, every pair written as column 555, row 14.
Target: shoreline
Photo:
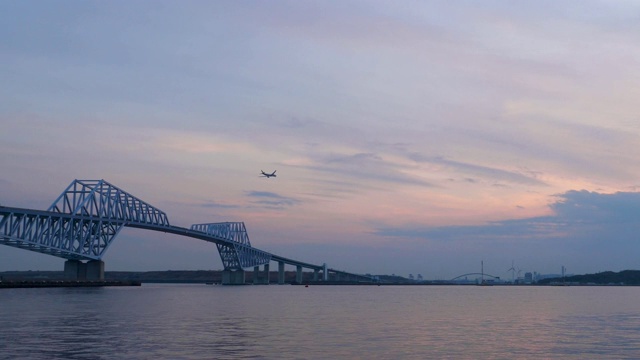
column 64, row 283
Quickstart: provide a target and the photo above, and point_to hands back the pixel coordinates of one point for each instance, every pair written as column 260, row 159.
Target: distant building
column 528, row 278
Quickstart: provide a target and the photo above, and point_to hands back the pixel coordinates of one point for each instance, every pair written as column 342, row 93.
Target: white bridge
column 84, row 220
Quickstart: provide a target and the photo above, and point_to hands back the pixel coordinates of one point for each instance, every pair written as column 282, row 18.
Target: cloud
column 607, row 210
column 217, row 205
column 367, row 166
column 272, row 200
column 488, row 172
column 579, row 216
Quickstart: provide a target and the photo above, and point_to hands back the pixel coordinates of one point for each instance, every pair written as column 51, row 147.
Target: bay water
column 178, row 321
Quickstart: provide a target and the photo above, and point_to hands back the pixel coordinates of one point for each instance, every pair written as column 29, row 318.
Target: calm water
column 320, row 322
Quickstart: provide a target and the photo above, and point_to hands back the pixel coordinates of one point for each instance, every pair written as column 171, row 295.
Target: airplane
column 264, row 174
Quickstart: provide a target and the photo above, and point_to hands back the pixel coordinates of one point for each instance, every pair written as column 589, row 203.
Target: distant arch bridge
column 475, row 273
column 84, row 220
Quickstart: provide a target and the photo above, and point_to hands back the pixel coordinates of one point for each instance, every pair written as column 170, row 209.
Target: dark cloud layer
column 578, row 216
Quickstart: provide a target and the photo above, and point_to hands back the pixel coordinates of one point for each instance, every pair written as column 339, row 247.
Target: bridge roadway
column 177, row 230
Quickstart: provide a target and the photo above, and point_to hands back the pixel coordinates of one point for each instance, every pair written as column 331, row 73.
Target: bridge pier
column 261, row 278
column 325, row 276
column 266, row 274
column 74, row 270
column 256, row 274
column 299, row 274
column 95, row 270
column 77, row 270
column 280, row 273
column 233, row 277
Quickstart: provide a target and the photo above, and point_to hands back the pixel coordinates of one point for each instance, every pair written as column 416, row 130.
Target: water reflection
column 291, row 322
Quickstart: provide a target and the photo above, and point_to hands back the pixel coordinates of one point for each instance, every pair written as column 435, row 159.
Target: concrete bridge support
column 256, row 275
column 95, row 270
column 299, row 274
column 261, row 277
column 266, row 274
column 74, row 270
column 77, row 270
column 281, row 273
column 325, row 276
column 233, row 277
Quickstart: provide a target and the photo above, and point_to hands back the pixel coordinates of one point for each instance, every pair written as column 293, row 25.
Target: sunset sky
column 416, row 137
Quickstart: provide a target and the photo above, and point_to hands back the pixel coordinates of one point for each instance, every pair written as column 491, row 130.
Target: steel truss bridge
column 84, row 220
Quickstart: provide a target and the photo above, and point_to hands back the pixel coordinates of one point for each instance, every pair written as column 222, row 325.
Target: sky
column 410, row 137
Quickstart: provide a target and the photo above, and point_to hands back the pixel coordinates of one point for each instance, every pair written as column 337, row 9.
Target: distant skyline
column 408, row 137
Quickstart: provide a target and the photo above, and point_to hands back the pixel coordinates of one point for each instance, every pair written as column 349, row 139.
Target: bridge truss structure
column 237, row 252
column 80, row 224
column 98, row 198
column 84, row 220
